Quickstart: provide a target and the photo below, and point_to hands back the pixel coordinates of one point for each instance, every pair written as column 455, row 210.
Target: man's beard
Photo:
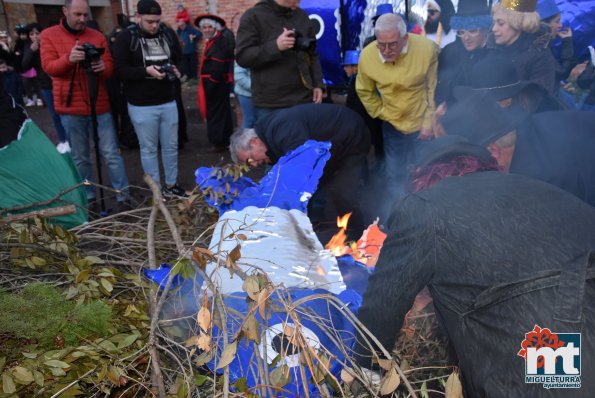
column 432, row 26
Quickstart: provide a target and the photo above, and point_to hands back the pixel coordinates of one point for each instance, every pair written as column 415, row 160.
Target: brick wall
column 229, row 10
column 18, row 13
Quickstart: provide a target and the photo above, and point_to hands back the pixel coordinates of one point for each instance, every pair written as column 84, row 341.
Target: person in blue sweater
column 189, row 37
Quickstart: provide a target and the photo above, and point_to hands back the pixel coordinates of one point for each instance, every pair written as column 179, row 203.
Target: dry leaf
column 203, row 358
column 228, row 354
column 346, row 376
column 280, row 376
column 235, row 254
column 390, row 382
column 204, row 319
column 241, row 237
column 251, row 329
column 251, row 287
column 288, row 330
column 204, row 342
column 191, row 341
column 262, row 302
column 385, row 364
column 454, row 389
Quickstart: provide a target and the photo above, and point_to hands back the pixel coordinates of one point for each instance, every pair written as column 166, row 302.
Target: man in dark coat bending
column 283, row 130
column 500, row 254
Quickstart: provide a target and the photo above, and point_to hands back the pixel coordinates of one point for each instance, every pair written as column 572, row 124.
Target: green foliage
column 40, row 312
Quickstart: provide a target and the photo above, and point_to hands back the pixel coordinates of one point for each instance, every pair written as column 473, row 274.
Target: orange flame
column 337, row 242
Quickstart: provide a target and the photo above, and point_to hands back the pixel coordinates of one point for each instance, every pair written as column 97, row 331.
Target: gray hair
column 390, row 23
column 212, row 22
column 240, row 142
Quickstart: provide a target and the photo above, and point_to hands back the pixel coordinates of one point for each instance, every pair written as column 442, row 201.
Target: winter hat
column 351, row 57
column 495, row 75
column 481, row 120
column 448, row 147
column 547, row 8
column 433, row 5
column 471, row 14
column 148, row 7
column 382, row 9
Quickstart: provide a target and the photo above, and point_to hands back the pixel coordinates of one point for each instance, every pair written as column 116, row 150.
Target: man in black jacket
column 147, row 54
column 555, row 147
column 500, row 254
column 277, row 41
column 279, row 132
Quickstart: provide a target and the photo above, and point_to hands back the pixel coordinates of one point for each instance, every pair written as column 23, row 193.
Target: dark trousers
column 190, row 65
column 219, row 118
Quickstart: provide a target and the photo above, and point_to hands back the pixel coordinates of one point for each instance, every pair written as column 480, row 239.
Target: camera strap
column 71, row 86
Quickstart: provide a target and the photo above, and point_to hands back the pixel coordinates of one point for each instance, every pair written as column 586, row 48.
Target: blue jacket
column 242, row 81
column 189, row 46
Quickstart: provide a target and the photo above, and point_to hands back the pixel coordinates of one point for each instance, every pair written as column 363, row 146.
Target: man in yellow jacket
column 396, row 83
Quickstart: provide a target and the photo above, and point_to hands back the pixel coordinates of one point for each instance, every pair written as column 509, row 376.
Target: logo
column 552, row 359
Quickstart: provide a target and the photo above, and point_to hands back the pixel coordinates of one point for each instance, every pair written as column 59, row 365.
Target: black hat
column 148, row 7
column 496, row 75
column 448, row 147
column 209, row 16
column 481, row 120
column 472, row 14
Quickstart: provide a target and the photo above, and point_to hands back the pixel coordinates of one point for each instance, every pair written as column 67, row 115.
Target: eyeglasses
column 471, row 32
column 393, row 45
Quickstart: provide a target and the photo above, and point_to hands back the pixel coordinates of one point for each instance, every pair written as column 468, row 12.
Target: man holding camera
column 277, row 41
column 146, row 55
column 75, row 58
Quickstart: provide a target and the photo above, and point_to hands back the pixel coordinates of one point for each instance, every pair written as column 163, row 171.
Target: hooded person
column 500, row 253
column 472, row 24
column 555, row 147
column 437, row 27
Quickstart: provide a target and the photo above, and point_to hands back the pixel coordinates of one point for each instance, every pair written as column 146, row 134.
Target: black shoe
column 173, row 192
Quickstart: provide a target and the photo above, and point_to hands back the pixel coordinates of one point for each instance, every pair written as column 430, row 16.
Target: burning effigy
column 273, row 284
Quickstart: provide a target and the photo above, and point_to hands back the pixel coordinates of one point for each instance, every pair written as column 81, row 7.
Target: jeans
column 154, row 125
column 80, row 131
column 399, row 156
column 247, row 111
column 48, row 98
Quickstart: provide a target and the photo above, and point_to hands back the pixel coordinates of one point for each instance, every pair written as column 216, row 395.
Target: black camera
column 168, row 69
column 302, row 43
column 92, row 54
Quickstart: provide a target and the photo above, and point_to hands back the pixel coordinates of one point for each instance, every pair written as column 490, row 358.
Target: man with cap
column 499, row 253
column 64, row 58
column 555, row 147
column 472, row 24
column 147, row 54
column 396, row 83
column 277, row 41
column 190, row 38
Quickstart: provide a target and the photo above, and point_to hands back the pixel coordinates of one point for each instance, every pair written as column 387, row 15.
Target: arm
column 405, row 266
column 52, row 62
column 431, row 80
column 543, row 70
column 366, row 91
column 241, row 77
column 108, row 62
column 124, row 59
column 250, row 51
column 567, row 58
column 315, row 67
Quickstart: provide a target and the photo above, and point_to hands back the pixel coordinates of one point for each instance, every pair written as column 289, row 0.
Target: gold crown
column 519, row 5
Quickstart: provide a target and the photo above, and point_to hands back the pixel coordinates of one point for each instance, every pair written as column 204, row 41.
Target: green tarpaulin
column 33, row 171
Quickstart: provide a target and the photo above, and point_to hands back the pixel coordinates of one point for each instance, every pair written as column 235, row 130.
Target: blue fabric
column 244, row 363
column 80, row 133
column 355, row 274
column 247, row 107
column 161, row 275
column 154, row 125
column 284, row 186
column 578, row 14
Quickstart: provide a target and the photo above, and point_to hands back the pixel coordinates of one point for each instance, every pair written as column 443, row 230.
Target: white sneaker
column 66, row 146
column 63, row 147
column 39, row 102
column 29, row 102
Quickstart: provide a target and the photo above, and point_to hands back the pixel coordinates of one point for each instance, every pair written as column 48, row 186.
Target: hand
column 76, row 54
column 35, row 46
column 286, row 40
column 154, row 72
column 98, row 66
column 317, row 95
column 577, row 71
column 176, row 72
column 437, row 127
column 425, row 134
column 564, row 33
